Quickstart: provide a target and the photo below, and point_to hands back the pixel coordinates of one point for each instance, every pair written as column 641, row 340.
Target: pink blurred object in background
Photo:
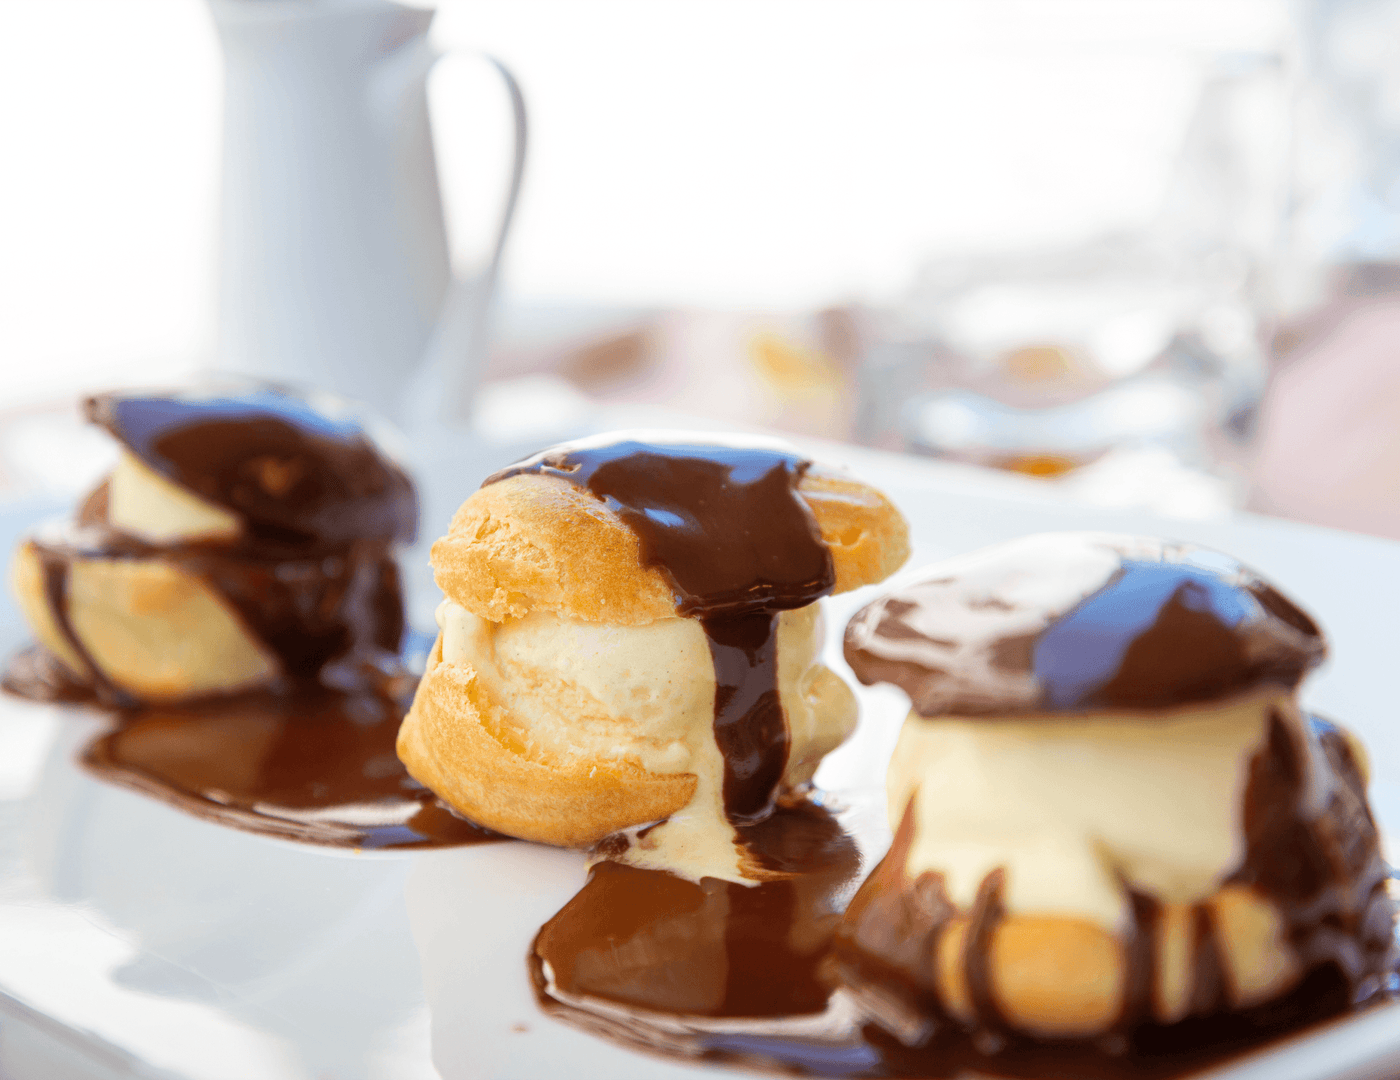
column 1329, row 439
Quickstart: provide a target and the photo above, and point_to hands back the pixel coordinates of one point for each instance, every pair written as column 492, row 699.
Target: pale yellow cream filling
column 1075, row 808
column 145, row 504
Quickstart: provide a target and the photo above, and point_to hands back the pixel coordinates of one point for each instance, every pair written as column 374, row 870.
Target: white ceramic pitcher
column 334, row 260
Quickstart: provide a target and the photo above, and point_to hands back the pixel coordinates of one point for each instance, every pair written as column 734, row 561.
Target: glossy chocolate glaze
column 773, row 976
column 726, row 526
column 292, row 474
column 1081, row 622
column 314, row 765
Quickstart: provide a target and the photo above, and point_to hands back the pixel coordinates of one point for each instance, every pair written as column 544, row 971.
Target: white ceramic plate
column 136, row 941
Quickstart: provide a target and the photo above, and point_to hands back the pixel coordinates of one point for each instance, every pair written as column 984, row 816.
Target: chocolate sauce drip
column 38, row 674
column 988, row 911
column 292, row 474
column 1140, row 956
column 1113, row 623
column 737, row 543
column 1208, row 988
column 315, row 765
column 1323, row 871
column 55, row 566
column 749, row 721
column 660, row 964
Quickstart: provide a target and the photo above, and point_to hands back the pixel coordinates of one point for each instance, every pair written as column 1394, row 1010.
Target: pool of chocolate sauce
column 726, row 525
column 746, row 976
column 315, row 765
column 309, row 763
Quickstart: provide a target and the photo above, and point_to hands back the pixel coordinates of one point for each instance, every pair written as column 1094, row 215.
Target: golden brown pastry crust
column 1060, row 976
column 154, row 630
column 453, row 742
column 535, row 542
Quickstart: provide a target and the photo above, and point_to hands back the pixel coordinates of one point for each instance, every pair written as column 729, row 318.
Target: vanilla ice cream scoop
column 629, row 648
column 1106, row 795
column 243, row 539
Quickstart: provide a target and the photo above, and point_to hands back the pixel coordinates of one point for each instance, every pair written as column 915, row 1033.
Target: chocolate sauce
column 650, row 940
column 55, row 567
column 1082, row 622
column 988, row 912
column 1325, row 874
column 314, row 765
column 749, row 725
column 766, row 977
column 726, row 526
column 36, row 674
column 293, row 474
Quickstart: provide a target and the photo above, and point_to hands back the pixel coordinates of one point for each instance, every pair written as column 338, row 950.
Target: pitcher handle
column 456, row 348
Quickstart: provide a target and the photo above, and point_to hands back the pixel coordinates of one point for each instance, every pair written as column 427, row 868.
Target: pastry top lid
column 723, row 521
column 634, row 526
column 1082, row 622
column 293, row 470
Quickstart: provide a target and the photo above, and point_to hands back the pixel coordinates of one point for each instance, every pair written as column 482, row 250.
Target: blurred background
column 1141, row 253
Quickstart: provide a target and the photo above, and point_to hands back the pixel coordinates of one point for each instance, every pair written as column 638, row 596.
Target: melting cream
column 579, row 691
column 1072, row 807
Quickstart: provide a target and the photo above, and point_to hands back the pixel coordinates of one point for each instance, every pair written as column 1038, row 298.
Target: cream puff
column 244, row 539
column 631, row 636
column 1109, row 809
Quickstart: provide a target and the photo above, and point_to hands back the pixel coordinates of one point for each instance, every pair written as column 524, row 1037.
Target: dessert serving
column 1111, row 813
column 230, row 593
column 243, row 540
column 1121, row 849
column 629, row 644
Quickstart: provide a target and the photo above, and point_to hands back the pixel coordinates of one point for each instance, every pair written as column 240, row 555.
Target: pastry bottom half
column 161, row 625
column 458, row 742
column 911, row 954
column 153, row 630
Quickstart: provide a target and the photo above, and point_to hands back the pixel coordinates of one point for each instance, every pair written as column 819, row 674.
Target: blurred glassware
column 1126, row 364
column 334, row 261
column 1328, row 450
column 1346, row 160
